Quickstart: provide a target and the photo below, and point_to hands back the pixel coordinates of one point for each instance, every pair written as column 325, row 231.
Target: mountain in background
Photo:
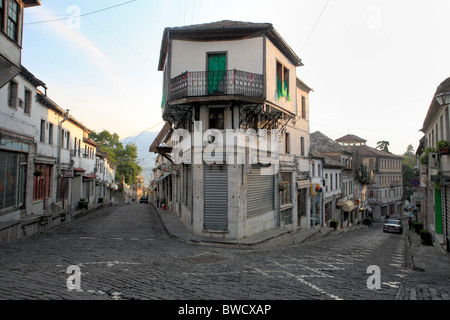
column 146, row 159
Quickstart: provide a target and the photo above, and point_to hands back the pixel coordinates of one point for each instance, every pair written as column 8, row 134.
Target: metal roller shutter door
column 260, row 193
column 189, row 186
column 216, row 197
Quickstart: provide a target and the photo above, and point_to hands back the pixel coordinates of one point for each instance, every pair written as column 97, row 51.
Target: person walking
column 410, row 223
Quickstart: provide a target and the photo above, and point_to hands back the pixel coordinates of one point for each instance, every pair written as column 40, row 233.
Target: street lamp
column 443, row 98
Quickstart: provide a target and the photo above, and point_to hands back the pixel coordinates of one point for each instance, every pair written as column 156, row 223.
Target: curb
column 285, row 239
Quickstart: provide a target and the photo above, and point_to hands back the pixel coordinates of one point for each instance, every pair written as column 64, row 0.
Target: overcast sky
column 374, row 65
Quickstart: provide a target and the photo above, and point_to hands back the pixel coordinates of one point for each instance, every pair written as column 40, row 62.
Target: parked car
column 143, row 200
column 393, row 226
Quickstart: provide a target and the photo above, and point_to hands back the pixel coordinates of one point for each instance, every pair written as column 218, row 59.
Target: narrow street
column 124, row 253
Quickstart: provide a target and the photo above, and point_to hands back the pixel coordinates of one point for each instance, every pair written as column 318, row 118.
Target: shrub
column 334, row 224
column 425, row 235
column 418, row 226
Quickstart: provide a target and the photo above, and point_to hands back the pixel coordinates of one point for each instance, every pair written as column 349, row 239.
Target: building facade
column 379, row 176
column 11, row 34
column 227, row 85
column 47, row 161
column 434, row 166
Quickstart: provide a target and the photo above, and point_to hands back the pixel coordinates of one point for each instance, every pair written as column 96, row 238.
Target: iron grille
column 8, row 179
column 216, row 83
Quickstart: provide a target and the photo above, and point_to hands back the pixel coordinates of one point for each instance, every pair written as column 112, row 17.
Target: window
column 282, row 81
column 302, row 146
column 216, row 118
column 67, row 140
column 288, row 142
column 2, row 13
column 42, row 137
column 9, row 177
column 12, row 94
column 27, row 107
column 50, row 133
column 13, row 20
column 303, row 107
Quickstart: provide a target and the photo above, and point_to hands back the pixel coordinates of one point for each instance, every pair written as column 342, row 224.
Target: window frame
column 2, row 15
column 50, row 133
column 13, row 94
column 43, row 131
column 285, row 76
column 216, row 112
column 28, row 101
column 10, row 21
column 288, row 143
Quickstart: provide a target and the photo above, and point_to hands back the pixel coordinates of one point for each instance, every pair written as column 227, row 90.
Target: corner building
column 230, row 76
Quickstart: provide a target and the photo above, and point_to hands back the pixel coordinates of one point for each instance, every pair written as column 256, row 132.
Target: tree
column 383, row 146
column 409, row 151
column 108, row 143
column 409, row 162
column 124, row 158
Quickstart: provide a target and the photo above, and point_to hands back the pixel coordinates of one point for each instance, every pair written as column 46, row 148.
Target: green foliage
column 424, row 156
column 442, row 144
column 383, row 146
column 125, row 158
column 409, row 163
column 409, row 151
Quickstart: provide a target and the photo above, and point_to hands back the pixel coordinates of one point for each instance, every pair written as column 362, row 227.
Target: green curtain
column 282, row 89
column 163, row 102
column 217, row 64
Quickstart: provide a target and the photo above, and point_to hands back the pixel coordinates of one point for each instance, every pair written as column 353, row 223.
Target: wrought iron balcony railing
column 216, row 83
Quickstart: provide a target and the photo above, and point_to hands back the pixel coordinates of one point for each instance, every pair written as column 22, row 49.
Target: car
column 143, row 200
column 392, row 225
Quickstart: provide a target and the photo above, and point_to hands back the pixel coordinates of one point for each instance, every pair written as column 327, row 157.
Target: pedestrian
column 410, row 223
column 370, row 222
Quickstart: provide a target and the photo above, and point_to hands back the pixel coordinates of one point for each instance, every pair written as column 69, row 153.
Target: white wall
column 245, row 55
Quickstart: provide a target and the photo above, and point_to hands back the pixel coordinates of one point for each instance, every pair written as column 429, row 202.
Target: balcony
column 216, row 83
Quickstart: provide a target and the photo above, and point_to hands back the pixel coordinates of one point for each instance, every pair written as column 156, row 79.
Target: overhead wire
column 315, row 25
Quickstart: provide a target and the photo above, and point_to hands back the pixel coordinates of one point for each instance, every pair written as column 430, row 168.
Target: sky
column 374, row 65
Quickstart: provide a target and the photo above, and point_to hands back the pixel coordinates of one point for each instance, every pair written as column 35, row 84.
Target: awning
column 163, row 177
column 348, row 206
column 368, row 208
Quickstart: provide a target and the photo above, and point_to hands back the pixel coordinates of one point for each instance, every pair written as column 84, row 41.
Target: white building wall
column 245, row 55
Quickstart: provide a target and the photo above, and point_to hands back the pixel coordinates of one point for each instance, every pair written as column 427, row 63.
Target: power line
column 81, row 15
column 310, row 34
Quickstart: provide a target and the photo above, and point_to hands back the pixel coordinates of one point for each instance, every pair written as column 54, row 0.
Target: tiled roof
column 373, row 152
column 321, row 143
column 351, row 138
column 225, row 30
column 224, row 24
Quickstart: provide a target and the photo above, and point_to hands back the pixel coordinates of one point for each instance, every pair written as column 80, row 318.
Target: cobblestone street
column 123, row 252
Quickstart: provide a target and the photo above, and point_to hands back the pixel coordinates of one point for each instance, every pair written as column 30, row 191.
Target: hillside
column 146, row 159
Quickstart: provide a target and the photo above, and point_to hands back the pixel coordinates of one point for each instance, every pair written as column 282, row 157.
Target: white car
column 393, row 226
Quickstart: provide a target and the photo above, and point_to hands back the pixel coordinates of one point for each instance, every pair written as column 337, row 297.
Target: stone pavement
column 425, row 257
column 272, row 238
